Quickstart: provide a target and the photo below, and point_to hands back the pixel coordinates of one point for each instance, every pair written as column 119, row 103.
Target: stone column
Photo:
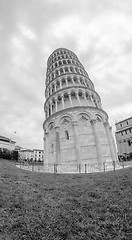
column 91, row 99
column 78, row 99
column 63, row 104
column 57, row 145
column 46, row 113
column 46, row 148
column 56, row 107
column 70, row 99
column 60, row 84
column 107, row 130
column 72, row 79
column 79, row 81
column 66, row 82
column 55, row 87
column 97, row 144
column 77, row 147
column 59, row 72
column 114, row 145
column 50, row 91
column 85, row 98
column 50, row 108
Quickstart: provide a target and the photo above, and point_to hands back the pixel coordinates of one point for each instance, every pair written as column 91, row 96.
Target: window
column 127, row 122
column 52, row 147
column 129, row 142
column 67, row 135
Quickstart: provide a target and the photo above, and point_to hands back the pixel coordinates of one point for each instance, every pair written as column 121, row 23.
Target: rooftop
column 123, row 120
column 5, row 139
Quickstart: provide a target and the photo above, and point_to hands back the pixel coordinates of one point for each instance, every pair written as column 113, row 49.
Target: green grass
column 46, row 206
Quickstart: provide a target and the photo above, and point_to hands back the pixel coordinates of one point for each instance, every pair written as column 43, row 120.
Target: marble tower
column 76, row 128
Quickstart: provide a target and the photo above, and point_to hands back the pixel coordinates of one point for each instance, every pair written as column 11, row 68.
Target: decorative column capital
column 57, row 128
column 106, row 124
column 93, row 121
column 74, row 123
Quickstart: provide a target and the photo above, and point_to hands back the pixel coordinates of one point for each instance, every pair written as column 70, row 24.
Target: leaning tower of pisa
column 76, row 128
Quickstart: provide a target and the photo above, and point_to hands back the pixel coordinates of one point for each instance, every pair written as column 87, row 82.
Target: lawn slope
column 73, row 207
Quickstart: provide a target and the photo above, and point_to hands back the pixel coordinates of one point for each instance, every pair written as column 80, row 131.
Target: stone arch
column 53, row 100
column 53, row 88
column 52, row 75
column 77, row 70
column 63, row 81
column 84, row 116
column 75, row 79
column 69, row 80
column 56, row 72
column 66, row 70
column 60, row 63
column 99, row 117
column 59, row 99
column 80, row 94
column 71, row 69
column 81, row 80
column 65, row 120
column 61, row 70
column 85, row 113
column 66, row 96
column 57, row 84
column 87, row 95
column 73, row 94
column 51, row 125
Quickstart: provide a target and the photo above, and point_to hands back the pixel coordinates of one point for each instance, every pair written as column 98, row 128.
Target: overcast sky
column 99, row 32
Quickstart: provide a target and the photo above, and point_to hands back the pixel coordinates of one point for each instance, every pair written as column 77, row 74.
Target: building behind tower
column 124, row 138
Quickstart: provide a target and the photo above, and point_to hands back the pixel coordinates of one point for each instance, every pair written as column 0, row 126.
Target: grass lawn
column 70, row 206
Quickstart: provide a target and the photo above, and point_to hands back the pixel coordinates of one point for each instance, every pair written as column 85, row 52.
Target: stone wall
column 73, row 140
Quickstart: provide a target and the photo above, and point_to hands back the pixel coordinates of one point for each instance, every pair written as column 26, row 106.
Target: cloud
column 99, row 32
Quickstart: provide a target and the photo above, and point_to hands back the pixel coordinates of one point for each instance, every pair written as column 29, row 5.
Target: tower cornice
column 49, row 119
column 71, row 88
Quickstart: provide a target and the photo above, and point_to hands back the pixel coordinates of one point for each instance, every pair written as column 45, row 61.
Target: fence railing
column 71, row 168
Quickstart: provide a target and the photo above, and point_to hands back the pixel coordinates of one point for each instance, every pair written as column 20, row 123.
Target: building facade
column 7, row 143
column 38, row 155
column 124, row 136
column 76, row 128
column 26, row 154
